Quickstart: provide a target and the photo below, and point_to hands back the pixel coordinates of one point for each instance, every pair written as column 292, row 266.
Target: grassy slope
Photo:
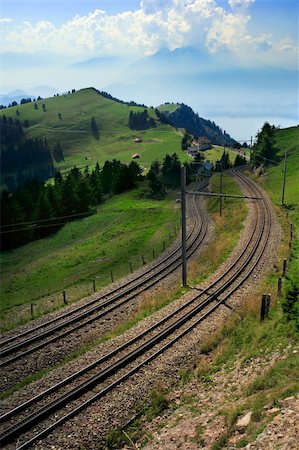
column 287, row 139
column 216, row 152
column 168, row 107
column 73, row 131
column 245, row 338
column 84, row 250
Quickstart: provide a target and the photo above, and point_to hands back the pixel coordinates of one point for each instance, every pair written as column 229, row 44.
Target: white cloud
column 6, row 20
column 286, row 44
column 156, row 24
column 240, row 3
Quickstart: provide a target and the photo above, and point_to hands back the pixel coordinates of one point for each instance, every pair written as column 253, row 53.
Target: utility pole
column 184, row 193
column 221, row 183
column 251, row 142
column 184, row 234
column 284, row 177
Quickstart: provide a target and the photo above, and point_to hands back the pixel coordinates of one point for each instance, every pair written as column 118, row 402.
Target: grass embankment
column 227, row 229
column 244, row 338
column 73, row 130
column 124, row 228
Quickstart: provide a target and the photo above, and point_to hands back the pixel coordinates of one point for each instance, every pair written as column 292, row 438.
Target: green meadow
column 124, row 228
column 215, row 153
column 67, row 119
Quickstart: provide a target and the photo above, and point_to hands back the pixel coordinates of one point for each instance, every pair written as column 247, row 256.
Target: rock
column 273, row 410
column 287, row 399
column 244, row 421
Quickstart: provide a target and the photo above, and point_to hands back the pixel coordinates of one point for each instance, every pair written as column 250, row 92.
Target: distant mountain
column 101, row 62
column 18, row 94
column 182, row 116
column 14, row 96
column 177, row 61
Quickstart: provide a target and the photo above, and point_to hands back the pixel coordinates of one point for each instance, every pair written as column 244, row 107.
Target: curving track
column 78, row 319
column 81, row 389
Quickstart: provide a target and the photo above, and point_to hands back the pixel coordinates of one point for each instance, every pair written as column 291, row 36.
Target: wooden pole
column 184, row 227
column 279, row 286
column 221, row 185
column 267, row 307
column 284, row 177
column 263, row 306
column 284, row 267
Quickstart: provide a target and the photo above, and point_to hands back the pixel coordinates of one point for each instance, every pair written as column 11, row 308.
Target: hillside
column 67, row 119
column 182, row 116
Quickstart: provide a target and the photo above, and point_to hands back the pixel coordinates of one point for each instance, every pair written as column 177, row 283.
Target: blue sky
column 42, row 39
column 58, row 11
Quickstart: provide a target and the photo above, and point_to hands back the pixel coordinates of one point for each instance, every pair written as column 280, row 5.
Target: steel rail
column 150, row 279
column 95, row 380
column 25, row 405
column 111, row 292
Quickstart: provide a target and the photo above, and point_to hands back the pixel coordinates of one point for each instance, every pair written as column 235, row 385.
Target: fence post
column 143, row 260
column 31, row 310
column 64, row 297
column 279, row 286
column 263, row 306
column 284, row 267
column 94, row 285
column 154, row 256
column 111, row 275
column 291, row 232
column 164, row 246
column 131, row 268
column 268, row 302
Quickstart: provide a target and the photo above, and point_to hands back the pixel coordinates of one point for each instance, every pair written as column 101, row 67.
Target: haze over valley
column 221, row 58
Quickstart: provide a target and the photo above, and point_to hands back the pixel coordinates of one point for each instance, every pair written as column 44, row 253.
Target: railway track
column 76, row 392
column 30, row 341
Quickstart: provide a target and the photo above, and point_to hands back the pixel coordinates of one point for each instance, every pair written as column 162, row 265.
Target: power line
column 65, row 223
column 46, row 220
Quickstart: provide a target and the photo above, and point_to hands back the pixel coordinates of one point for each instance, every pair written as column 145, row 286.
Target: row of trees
column 25, row 100
column 141, row 120
column 47, row 207
column 224, row 162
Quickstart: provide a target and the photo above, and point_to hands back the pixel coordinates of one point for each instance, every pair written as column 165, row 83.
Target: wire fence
column 67, row 295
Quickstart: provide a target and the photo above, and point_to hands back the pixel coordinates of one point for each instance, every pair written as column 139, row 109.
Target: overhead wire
column 65, row 223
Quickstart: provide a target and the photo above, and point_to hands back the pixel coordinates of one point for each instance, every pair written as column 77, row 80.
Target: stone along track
column 38, row 339
column 81, row 389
